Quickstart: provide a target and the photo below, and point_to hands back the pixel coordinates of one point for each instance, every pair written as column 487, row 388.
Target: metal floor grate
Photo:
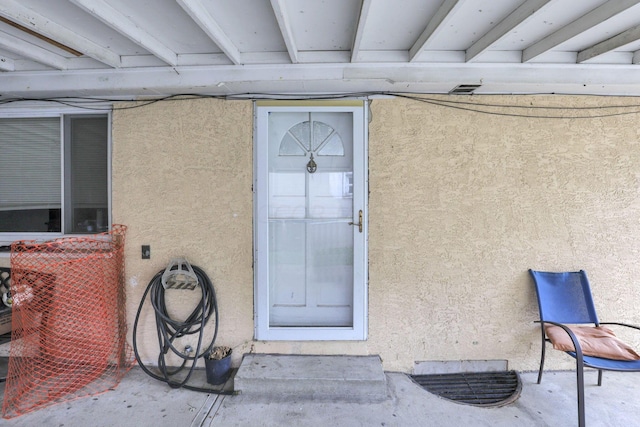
column 474, row 388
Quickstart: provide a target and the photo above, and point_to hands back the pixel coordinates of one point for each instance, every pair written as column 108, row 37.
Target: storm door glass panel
column 310, row 206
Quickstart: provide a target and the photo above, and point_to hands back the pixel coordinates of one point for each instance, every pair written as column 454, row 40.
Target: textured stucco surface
column 461, row 205
column 182, row 176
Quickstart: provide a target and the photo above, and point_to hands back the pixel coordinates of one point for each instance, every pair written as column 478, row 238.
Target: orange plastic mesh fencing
column 68, row 332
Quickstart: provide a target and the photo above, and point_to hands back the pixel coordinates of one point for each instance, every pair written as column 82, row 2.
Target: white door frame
column 263, row 331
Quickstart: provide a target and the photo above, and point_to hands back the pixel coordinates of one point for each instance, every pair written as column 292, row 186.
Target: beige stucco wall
column 182, row 177
column 461, row 205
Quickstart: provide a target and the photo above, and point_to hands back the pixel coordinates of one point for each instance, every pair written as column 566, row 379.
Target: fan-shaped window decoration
column 300, row 140
column 332, row 146
column 291, row 147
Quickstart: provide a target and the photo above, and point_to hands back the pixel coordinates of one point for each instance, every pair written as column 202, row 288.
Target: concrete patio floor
column 140, row 400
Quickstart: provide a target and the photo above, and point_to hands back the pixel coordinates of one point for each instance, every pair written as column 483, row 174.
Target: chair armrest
column 574, row 339
column 621, row 324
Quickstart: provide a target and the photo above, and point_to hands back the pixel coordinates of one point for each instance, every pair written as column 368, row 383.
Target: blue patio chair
column 565, row 299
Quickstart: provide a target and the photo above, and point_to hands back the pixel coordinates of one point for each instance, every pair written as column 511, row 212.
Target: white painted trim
column 310, row 334
column 580, row 25
column 280, row 10
column 519, row 16
column 7, row 64
column 362, row 23
column 45, row 109
column 261, row 203
column 381, row 56
column 324, row 56
column 629, row 36
column 49, row 109
column 327, row 78
column 26, row 17
column 442, row 15
column 263, row 331
column 128, row 28
column 32, row 51
column 201, row 16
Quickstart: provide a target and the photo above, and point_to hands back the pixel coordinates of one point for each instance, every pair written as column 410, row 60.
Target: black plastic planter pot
column 218, row 371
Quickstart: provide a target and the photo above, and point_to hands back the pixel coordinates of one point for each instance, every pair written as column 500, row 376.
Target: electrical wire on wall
column 455, row 102
column 170, row 330
column 551, row 112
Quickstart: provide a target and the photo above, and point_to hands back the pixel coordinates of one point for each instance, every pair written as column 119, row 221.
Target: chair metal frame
column 553, row 290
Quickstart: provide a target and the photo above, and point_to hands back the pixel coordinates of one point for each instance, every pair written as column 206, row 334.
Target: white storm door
column 310, row 251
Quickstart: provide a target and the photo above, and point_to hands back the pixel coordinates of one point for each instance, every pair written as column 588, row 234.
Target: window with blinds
column 54, row 174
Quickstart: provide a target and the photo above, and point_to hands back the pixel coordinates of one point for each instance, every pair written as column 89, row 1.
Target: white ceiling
column 128, row 48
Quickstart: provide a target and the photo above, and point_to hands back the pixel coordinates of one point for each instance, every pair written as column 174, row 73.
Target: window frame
column 40, row 109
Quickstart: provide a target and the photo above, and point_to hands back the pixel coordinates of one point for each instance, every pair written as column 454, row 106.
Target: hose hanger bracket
column 179, row 275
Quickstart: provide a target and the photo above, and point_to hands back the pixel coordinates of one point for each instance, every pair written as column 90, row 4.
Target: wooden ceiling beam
column 31, row 51
column 128, row 28
column 519, row 16
column 442, row 15
column 585, row 22
column 7, row 64
column 40, row 36
column 14, row 14
column 207, row 22
column 284, row 22
column 362, row 23
column 629, row 36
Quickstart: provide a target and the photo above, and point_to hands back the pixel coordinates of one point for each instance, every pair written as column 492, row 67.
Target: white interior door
column 310, row 240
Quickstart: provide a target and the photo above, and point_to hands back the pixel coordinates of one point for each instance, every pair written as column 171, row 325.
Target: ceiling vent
column 463, row 89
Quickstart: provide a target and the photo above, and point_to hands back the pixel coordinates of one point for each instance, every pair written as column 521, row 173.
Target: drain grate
column 474, row 388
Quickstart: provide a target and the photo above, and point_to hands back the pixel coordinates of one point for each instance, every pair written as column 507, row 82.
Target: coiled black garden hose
column 169, row 330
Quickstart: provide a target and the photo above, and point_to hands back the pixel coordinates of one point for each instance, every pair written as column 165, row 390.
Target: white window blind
column 30, row 168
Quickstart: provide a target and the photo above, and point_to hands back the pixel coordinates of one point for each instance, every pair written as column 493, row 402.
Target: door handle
column 359, row 223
